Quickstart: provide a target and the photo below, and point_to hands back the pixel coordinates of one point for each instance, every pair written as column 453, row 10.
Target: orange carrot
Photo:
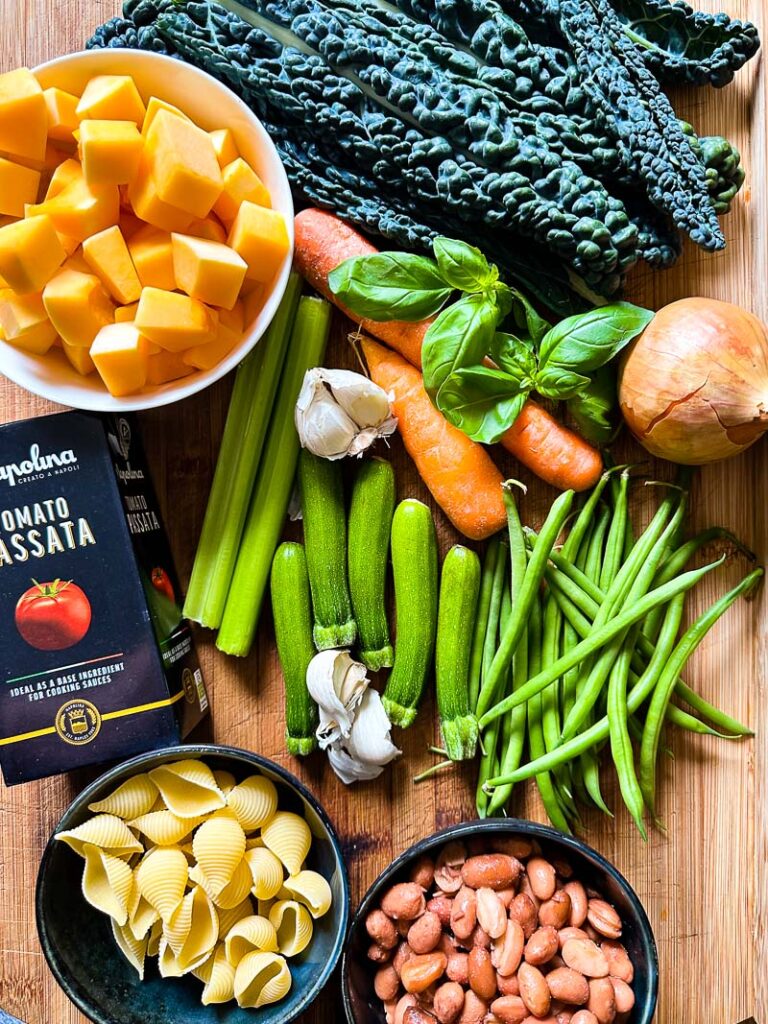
column 459, row 473
column 549, row 449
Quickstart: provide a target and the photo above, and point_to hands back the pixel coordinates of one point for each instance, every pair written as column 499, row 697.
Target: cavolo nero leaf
column 463, row 266
column 390, row 286
column 482, row 402
column 460, row 337
column 584, row 342
column 592, row 408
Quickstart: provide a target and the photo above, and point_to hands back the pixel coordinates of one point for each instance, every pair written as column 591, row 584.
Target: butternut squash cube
column 30, row 253
column 18, row 186
column 78, row 307
column 111, row 98
column 120, row 353
column 126, row 314
column 62, row 114
column 25, row 323
column 241, row 183
column 79, row 357
column 129, row 224
column 224, row 146
column 233, row 318
column 71, row 245
column 207, row 227
column 152, row 254
column 77, row 262
column 208, row 271
column 81, row 210
column 147, row 204
column 163, row 367
column 183, row 164
column 260, row 236
column 64, row 174
column 204, row 357
column 110, row 151
column 107, row 255
column 174, row 322
column 154, row 105
column 23, row 115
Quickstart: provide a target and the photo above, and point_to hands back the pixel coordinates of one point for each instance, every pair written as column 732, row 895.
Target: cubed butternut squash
column 77, row 306
column 183, row 164
column 80, row 210
column 79, row 357
column 154, row 105
column 224, row 146
column 260, row 236
column 207, row 227
column 173, row 321
column 208, row 271
column 64, row 175
column 148, row 206
column 110, row 151
column 233, row 318
column 112, row 98
column 107, row 255
column 126, row 314
column 240, row 184
column 204, row 357
column 23, row 115
column 25, row 323
column 61, row 107
column 30, row 253
column 152, row 254
column 163, row 367
column 120, row 353
column 18, row 186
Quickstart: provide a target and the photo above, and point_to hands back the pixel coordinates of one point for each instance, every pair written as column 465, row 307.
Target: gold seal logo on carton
column 78, row 722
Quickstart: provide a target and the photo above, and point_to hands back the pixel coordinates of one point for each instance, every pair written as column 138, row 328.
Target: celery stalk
column 274, row 483
column 250, row 407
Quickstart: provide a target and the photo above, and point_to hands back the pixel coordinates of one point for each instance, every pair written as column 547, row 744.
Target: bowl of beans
column 500, row 922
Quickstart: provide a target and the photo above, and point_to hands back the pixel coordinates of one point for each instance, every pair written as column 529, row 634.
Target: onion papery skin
column 693, row 387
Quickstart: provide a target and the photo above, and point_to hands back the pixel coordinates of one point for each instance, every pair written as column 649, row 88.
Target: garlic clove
column 325, row 429
column 336, row 683
column 349, row 769
column 369, row 739
column 365, row 402
column 340, row 413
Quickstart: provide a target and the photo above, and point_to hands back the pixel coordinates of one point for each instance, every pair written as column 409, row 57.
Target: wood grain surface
column 704, row 882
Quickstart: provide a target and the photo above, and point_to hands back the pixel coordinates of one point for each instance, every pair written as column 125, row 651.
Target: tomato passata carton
column 97, row 661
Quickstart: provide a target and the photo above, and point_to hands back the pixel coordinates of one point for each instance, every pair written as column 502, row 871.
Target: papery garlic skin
column 340, row 413
column 337, row 684
column 363, row 755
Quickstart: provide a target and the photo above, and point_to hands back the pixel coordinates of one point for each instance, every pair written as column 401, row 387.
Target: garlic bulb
column 341, row 413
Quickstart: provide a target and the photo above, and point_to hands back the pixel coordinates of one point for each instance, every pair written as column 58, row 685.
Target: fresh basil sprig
column 477, row 374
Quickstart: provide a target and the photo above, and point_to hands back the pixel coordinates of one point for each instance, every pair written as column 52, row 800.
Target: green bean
column 590, row 767
column 599, row 637
column 599, row 731
column 676, row 716
column 614, row 546
column 550, row 697
column 663, row 691
column 618, row 732
column 707, row 710
column 584, row 520
column 532, row 580
column 481, row 619
column 490, row 737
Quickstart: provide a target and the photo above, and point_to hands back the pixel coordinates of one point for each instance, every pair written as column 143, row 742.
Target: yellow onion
column 693, row 387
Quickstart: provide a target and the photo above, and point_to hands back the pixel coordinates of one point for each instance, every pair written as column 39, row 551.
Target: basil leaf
column 589, row 340
column 482, row 402
column 525, row 316
column 463, row 266
column 557, row 382
column 390, row 286
column 514, row 355
column 591, row 408
column 460, row 336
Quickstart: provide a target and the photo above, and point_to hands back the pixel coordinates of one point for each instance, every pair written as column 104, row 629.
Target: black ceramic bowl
column 77, row 939
column 360, row 1002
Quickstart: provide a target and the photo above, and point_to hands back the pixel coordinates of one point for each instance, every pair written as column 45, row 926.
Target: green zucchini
column 414, row 567
column 459, row 590
column 325, row 541
column 291, row 610
column 370, row 522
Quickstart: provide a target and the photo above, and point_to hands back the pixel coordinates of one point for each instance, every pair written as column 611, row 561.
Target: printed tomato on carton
column 53, row 616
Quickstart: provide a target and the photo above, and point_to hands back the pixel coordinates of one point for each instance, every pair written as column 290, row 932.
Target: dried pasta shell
column 293, row 926
column 158, row 805
column 141, row 915
column 155, row 935
column 228, row 918
column 188, row 788
column 220, row 983
column 266, row 871
column 249, row 934
column 193, row 929
column 167, row 962
column 163, row 828
column 134, row 797
column 253, row 841
column 218, row 845
column 236, row 890
column 261, row 978
column 311, row 889
column 134, row 950
column 107, row 883
column 106, row 831
column 287, row 835
column 224, row 780
column 254, row 802
column 162, row 879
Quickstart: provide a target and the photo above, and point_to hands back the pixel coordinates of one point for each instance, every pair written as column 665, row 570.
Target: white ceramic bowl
column 211, row 105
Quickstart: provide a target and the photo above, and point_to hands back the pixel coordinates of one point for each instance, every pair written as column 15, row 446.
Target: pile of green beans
column 577, row 648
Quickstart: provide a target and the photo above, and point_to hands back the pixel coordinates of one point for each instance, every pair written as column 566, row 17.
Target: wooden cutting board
column 703, row 883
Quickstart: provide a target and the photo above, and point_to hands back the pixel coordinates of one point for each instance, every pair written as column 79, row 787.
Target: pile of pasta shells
column 177, row 856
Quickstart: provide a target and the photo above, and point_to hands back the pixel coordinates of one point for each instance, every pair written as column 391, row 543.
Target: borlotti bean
column 495, row 931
